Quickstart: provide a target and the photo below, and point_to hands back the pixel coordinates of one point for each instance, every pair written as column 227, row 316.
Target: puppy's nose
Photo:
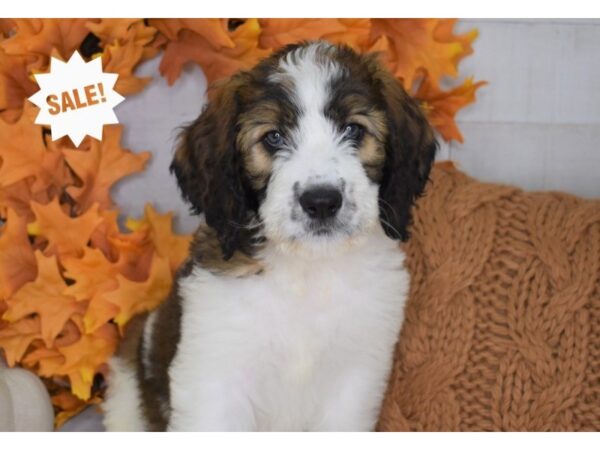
column 321, row 202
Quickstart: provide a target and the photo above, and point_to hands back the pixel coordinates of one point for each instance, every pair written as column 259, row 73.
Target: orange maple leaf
column 136, row 297
column 6, row 27
column 132, row 252
column 15, row 86
column 16, row 338
column 66, row 235
column 18, row 197
column 413, row 48
column 125, row 43
column 442, row 106
column 122, row 59
column 44, row 360
column 160, row 229
column 99, row 168
column 217, row 61
column 213, row 30
column 17, row 261
column 122, row 31
column 444, row 32
column 279, row 32
column 70, row 405
column 43, row 297
column 38, row 38
column 22, row 148
column 356, row 35
column 92, row 276
column 84, row 357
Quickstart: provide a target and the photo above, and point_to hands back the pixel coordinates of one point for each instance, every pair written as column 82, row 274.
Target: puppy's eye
column 273, row 140
column 354, row 132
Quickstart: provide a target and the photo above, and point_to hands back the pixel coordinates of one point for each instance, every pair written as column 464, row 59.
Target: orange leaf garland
column 43, row 297
column 70, row 276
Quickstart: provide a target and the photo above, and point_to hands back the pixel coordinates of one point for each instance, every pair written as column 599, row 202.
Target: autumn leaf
column 356, row 34
column 84, row 357
column 16, row 338
column 217, row 61
column 66, row 235
column 99, row 168
column 45, row 360
column 92, row 276
column 18, row 197
column 136, row 297
column 6, row 27
column 122, row 31
column 441, row 106
column 39, row 37
column 160, row 229
column 17, row 261
column 43, row 297
column 22, row 148
column 213, row 30
column 70, row 405
column 125, row 46
column 15, row 86
column 413, row 48
column 122, row 59
column 132, row 252
column 279, row 32
column 444, row 32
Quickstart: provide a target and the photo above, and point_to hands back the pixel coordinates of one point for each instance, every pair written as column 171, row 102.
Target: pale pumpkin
column 24, row 402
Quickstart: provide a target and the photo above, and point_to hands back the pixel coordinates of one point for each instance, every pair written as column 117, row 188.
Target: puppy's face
column 315, row 146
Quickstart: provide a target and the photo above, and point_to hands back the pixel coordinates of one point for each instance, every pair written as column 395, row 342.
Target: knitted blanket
column 502, row 328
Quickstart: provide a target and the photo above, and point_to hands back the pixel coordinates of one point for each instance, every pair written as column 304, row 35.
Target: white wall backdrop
column 536, row 124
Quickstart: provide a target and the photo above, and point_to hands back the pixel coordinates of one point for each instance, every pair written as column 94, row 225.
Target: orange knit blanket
column 502, row 327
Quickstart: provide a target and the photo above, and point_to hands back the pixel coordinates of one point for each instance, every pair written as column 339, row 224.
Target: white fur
column 316, row 154
column 306, row 346
column 122, row 407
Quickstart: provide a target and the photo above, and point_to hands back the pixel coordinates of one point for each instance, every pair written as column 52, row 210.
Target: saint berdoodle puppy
column 286, row 314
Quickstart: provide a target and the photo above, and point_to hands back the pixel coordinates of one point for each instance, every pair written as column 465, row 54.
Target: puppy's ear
column 409, row 153
column 208, row 168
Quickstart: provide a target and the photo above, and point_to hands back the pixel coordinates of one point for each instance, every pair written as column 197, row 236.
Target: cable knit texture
column 502, row 328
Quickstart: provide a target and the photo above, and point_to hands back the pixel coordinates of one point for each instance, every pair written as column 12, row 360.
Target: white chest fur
column 307, row 345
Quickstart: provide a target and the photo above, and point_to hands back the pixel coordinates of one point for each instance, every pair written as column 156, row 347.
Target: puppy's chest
column 299, row 317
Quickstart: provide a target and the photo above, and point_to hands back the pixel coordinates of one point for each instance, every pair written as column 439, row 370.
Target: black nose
column 321, row 202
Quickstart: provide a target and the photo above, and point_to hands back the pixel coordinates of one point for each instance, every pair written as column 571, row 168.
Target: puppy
column 286, row 314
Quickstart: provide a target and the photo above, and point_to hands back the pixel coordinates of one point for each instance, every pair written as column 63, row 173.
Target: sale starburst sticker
column 76, row 98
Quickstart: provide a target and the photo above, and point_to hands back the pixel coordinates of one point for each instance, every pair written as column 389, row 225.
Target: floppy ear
column 209, row 170
column 409, row 153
